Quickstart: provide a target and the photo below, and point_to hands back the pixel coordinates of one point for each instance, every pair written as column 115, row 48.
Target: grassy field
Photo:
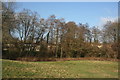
column 60, row 69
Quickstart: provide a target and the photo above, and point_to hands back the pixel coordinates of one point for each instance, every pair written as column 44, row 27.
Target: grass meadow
column 60, row 69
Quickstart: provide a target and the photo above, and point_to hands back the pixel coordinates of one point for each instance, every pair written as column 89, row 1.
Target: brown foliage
column 64, row 59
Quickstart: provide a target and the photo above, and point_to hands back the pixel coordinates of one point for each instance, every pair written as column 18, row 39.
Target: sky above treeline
column 93, row 13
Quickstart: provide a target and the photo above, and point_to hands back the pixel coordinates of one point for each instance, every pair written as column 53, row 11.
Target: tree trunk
column 61, row 53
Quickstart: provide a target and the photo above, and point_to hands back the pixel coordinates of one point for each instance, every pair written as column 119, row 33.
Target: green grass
column 60, row 69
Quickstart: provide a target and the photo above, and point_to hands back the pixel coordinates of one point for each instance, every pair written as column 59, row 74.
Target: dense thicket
column 25, row 34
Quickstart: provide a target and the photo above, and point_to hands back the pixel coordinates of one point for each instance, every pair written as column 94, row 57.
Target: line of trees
column 25, row 34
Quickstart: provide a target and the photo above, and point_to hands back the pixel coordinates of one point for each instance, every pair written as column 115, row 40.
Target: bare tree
column 95, row 34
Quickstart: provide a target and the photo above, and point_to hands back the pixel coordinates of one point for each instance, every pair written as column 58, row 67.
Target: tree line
column 25, row 34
